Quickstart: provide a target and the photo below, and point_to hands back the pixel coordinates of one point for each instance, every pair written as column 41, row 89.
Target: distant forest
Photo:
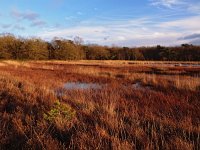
column 16, row 48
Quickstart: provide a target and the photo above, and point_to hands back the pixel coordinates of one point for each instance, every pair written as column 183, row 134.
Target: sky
column 105, row 22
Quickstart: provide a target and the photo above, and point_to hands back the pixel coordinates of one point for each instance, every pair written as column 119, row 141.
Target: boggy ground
column 37, row 112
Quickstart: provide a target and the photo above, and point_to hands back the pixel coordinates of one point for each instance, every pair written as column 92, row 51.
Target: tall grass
column 118, row 116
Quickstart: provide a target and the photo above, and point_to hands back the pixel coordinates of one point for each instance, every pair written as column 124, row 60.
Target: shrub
column 61, row 115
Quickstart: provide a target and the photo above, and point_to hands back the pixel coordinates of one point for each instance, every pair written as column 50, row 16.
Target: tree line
column 18, row 48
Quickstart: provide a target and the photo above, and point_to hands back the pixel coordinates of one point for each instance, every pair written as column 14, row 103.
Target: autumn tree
column 66, row 50
column 96, row 52
column 37, row 49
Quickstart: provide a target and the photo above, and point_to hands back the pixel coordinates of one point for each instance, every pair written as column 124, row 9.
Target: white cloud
column 190, row 24
column 194, row 8
column 165, row 3
column 182, row 6
column 6, row 26
column 18, row 27
column 133, row 32
column 38, row 23
column 70, row 17
column 79, row 13
column 121, row 38
column 89, row 33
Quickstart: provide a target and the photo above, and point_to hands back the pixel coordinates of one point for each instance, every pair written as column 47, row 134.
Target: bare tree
column 78, row 40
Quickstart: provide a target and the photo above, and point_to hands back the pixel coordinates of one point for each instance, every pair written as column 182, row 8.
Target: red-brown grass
column 162, row 113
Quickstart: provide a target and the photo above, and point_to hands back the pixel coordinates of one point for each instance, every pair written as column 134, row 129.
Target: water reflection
column 81, row 86
column 97, row 86
column 140, row 86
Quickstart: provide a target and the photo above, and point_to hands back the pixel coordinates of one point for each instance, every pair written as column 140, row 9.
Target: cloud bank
column 134, row 32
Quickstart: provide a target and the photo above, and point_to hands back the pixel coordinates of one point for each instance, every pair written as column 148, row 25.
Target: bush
column 61, row 115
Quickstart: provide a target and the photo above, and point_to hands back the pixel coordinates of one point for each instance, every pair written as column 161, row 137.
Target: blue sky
column 105, row 22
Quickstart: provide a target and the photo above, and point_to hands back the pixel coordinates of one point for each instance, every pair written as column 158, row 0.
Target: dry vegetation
column 161, row 112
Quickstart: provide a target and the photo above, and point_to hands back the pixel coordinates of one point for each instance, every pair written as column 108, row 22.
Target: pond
column 81, row 86
column 187, row 65
column 140, row 86
column 97, row 86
